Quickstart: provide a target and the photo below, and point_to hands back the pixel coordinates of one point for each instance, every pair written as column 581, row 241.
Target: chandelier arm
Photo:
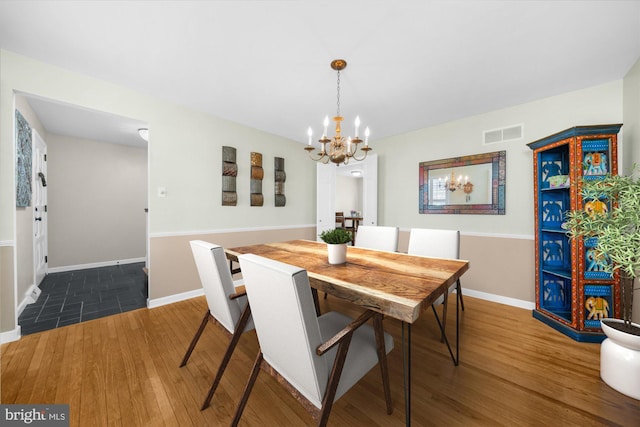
column 319, row 157
column 361, row 158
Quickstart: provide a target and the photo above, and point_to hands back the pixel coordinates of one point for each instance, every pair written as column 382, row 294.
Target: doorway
column 89, row 199
column 327, row 191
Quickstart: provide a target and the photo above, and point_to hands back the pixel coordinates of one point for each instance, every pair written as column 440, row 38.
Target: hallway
column 76, row 296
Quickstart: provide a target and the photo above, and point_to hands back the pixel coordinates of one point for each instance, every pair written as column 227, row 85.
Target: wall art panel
column 23, row 161
column 229, row 174
column 279, row 177
column 257, row 173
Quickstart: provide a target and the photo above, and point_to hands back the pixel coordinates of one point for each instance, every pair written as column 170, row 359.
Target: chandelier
column 340, row 149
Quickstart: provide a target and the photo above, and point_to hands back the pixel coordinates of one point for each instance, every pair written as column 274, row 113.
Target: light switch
column 162, row 192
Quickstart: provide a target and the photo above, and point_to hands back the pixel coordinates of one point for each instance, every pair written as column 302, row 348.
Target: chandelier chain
column 338, row 97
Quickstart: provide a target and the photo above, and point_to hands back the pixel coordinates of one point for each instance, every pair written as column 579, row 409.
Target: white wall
column 97, row 195
column 631, row 127
column 401, row 155
column 631, row 144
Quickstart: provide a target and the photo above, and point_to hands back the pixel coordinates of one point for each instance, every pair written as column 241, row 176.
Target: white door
column 325, row 197
column 39, row 199
column 370, row 190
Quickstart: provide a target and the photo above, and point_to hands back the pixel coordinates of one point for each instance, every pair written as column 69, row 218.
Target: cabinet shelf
column 569, row 274
column 554, row 230
column 561, row 188
column 560, row 272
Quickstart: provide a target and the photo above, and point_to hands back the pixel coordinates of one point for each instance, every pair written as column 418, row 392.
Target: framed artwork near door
column 23, row 161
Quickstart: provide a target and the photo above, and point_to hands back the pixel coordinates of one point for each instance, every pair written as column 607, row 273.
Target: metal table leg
column 456, row 358
column 406, row 369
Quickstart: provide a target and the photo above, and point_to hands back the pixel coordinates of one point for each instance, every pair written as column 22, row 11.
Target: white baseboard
column 10, row 336
column 499, row 299
column 158, row 302
column 94, row 265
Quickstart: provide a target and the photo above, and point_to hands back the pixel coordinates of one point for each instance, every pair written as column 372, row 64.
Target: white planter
column 620, row 360
column 337, row 253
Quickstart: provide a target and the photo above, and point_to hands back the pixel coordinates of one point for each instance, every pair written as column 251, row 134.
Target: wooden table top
column 398, row 285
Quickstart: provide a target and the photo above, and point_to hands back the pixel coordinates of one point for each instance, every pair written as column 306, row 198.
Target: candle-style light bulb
column 326, row 125
column 357, row 125
column 309, row 132
column 366, row 136
column 349, row 145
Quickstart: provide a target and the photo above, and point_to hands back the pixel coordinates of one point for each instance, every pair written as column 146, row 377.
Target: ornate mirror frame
column 464, row 185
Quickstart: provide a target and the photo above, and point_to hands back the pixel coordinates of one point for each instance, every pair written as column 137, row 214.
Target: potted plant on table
column 617, row 230
column 336, row 240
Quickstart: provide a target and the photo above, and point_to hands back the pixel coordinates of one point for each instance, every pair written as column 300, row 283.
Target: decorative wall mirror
column 464, row 185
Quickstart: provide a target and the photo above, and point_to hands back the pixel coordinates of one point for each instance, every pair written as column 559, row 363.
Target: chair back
column 339, row 219
column 217, row 282
column 434, row 243
column 377, row 237
column 286, row 324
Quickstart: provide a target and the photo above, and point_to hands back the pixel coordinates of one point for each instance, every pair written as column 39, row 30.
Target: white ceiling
column 64, row 119
column 265, row 64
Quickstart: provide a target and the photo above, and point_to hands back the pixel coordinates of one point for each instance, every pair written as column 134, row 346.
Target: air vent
column 501, row 135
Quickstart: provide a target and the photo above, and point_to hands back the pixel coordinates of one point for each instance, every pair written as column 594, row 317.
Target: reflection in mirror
column 470, row 184
column 460, row 185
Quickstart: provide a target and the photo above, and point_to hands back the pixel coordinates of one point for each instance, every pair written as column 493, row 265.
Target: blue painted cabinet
column 572, row 291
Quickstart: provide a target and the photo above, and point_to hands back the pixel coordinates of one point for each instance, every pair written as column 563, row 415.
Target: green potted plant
column 616, row 226
column 336, row 240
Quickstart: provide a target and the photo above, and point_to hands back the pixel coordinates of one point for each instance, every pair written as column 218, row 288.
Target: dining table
column 397, row 285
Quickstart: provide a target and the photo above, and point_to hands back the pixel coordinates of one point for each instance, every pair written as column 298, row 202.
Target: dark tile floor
column 76, row 296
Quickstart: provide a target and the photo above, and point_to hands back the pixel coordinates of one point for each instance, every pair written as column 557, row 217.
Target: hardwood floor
column 123, row 370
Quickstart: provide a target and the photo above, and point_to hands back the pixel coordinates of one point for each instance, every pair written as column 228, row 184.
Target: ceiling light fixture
column 341, row 149
column 144, row 133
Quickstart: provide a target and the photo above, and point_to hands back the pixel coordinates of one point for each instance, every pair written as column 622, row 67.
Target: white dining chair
column 226, row 300
column 437, row 244
column 317, row 359
column 381, row 238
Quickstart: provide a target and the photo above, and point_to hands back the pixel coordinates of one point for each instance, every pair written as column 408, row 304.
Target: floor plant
column 617, row 229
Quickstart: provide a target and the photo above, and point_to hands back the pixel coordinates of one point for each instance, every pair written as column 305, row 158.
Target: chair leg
column 195, row 339
column 247, row 389
column 332, row 384
column 382, row 360
column 237, row 333
column 459, row 292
